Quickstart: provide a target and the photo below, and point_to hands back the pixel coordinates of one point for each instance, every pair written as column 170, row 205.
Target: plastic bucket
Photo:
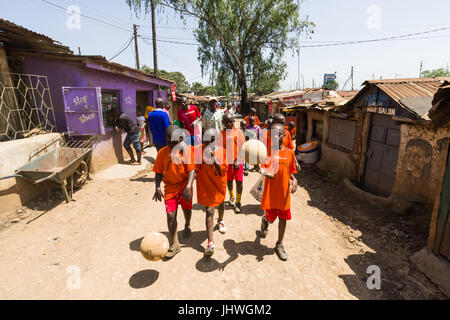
column 308, row 152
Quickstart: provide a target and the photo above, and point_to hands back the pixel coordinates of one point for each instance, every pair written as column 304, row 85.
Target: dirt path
column 331, row 241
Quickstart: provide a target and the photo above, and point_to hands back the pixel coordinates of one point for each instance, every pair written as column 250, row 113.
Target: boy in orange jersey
column 211, row 177
column 267, row 139
column 252, row 113
column 178, row 170
column 233, row 139
column 291, row 129
column 279, row 183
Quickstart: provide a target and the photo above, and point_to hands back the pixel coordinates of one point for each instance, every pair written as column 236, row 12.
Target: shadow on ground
column 392, row 237
column 234, row 249
column 143, row 279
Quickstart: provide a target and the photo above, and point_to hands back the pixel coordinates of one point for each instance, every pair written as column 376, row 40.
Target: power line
column 123, row 48
column 167, row 41
column 375, row 40
column 165, row 27
column 85, row 16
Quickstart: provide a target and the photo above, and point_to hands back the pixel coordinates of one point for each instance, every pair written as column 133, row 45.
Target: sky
column 336, row 21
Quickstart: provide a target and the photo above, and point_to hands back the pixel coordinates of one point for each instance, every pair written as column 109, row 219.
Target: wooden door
column 442, row 239
column 382, row 155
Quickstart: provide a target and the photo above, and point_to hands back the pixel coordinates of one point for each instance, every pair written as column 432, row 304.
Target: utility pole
column 303, row 81
column 420, row 72
column 313, row 84
column 136, row 46
column 298, row 55
column 352, row 77
column 155, row 56
column 79, row 51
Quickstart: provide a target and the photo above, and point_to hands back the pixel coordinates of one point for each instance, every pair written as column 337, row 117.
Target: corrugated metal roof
column 14, row 36
column 405, row 88
column 10, row 26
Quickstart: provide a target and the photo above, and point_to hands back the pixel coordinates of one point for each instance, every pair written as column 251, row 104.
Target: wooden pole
column 136, row 46
column 155, row 56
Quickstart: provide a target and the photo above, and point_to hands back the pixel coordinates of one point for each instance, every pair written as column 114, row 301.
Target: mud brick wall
column 421, row 161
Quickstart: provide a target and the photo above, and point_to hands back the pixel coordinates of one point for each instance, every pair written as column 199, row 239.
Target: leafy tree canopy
column 331, row 85
column 441, row 72
column 244, row 42
column 181, row 84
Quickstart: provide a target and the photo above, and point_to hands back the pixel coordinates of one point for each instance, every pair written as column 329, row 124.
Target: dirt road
column 89, row 249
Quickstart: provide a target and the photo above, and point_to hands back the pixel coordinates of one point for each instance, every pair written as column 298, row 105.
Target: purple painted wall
column 64, row 73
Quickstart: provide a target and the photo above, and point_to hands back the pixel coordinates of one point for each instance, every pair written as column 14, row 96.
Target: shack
column 434, row 260
column 98, row 83
column 41, row 84
column 382, row 140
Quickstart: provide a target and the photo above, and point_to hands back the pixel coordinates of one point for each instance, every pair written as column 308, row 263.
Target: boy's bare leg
column 239, row 188
column 230, row 191
column 139, row 156
column 187, row 224
column 221, row 209
column 209, row 222
column 172, row 226
column 281, row 230
column 279, row 248
column 131, row 154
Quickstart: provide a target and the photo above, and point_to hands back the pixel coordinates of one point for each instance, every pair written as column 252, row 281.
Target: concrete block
column 437, row 269
column 15, row 192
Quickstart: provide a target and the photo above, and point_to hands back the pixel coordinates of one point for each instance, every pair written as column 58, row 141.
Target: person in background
column 148, row 110
column 212, row 118
column 291, row 129
column 230, row 109
column 166, row 109
column 252, row 113
column 123, row 121
column 158, row 121
column 233, row 139
column 254, row 132
column 187, row 114
column 267, row 122
column 142, row 129
column 243, row 127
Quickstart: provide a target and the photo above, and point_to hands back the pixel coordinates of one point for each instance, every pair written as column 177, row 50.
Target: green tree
column 181, row 84
column 245, row 40
column 201, row 90
column 441, row 72
column 331, row 85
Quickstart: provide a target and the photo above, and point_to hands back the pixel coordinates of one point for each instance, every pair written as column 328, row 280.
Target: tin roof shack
column 325, row 122
column 399, row 151
column 434, row 259
column 88, row 81
column 110, row 85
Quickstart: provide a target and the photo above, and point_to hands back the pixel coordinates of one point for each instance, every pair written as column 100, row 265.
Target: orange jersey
column 292, row 132
column 237, row 139
column 175, row 175
column 211, row 187
column 276, row 194
column 257, row 122
column 287, row 141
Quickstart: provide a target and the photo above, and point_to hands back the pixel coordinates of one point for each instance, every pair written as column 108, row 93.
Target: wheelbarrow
column 69, row 161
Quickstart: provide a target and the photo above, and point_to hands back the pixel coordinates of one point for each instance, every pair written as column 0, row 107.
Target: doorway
column 382, row 155
column 442, row 239
column 141, row 101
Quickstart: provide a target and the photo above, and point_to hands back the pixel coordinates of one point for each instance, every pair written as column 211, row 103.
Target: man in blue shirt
column 158, row 121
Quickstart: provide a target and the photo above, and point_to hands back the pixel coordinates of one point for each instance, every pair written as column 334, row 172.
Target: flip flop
column 172, row 253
